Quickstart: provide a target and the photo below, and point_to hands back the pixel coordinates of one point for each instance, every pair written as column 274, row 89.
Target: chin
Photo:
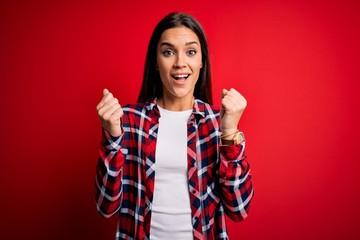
column 182, row 94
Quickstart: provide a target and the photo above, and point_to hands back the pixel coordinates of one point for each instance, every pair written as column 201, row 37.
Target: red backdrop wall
column 296, row 62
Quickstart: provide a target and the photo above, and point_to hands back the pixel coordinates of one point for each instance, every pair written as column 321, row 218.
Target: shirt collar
column 198, row 110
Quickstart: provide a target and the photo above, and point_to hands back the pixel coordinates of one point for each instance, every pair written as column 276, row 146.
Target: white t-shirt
column 171, row 211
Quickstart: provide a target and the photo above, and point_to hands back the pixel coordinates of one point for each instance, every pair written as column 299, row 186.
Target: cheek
column 162, row 73
column 163, row 66
column 198, row 62
column 197, row 66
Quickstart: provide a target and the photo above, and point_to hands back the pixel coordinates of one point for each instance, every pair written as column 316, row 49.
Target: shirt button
column 193, row 191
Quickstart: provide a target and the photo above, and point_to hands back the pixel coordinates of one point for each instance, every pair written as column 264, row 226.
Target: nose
column 180, row 61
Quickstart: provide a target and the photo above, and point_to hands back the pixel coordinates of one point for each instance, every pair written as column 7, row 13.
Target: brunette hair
column 151, row 86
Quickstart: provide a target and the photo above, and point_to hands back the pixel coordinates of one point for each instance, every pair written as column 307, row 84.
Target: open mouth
column 180, row 76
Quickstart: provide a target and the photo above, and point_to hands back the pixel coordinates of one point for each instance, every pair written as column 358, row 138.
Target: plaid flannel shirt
column 218, row 176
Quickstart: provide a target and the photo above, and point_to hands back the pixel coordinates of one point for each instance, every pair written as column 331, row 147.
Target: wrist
column 228, row 134
column 232, row 139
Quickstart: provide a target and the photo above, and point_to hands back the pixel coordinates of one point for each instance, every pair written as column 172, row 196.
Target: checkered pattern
column 219, row 179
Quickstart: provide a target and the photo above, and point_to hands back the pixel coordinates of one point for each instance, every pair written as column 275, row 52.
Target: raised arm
column 108, row 188
column 234, row 171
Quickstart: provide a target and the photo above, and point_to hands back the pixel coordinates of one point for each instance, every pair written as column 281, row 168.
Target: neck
column 176, row 104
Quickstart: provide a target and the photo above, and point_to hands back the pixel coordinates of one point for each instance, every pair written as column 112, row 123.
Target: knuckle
column 98, row 107
column 106, row 116
column 113, row 101
column 244, row 102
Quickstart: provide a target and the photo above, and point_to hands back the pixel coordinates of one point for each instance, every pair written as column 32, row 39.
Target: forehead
column 179, row 35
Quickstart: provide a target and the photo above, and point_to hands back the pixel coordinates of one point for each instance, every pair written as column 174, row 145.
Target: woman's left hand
column 232, row 107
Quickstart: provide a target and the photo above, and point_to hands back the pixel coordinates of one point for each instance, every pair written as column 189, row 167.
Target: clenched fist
column 232, row 107
column 110, row 113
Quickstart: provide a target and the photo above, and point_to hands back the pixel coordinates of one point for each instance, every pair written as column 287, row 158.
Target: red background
column 296, row 62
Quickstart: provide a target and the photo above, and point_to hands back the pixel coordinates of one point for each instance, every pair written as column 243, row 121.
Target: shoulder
column 138, row 110
column 133, row 108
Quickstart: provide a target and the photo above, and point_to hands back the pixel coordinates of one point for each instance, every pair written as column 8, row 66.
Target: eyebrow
column 172, row 45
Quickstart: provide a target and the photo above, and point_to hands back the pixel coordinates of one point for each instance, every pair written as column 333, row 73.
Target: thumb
column 222, row 111
column 105, row 91
column 223, row 93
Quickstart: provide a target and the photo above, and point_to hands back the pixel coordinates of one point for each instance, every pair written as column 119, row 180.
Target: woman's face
column 179, row 61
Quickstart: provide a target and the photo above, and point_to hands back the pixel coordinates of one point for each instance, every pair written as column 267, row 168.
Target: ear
column 157, row 67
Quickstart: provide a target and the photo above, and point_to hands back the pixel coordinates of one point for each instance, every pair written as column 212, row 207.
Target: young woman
column 171, row 166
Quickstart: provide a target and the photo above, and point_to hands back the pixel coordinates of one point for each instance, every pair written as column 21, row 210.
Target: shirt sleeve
column 235, row 181
column 108, row 187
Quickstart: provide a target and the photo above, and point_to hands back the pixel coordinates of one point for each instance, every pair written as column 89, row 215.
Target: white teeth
column 181, row 75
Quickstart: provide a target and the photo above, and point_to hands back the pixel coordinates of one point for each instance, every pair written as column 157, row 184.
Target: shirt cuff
column 111, row 143
column 231, row 152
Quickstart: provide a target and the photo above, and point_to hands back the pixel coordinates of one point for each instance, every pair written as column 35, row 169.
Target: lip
column 180, row 74
column 180, row 78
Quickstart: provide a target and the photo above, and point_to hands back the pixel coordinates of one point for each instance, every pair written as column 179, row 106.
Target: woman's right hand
column 110, row 113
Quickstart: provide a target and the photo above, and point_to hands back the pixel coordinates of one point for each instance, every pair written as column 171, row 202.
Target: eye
column 192, row 52
column 167, row 53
